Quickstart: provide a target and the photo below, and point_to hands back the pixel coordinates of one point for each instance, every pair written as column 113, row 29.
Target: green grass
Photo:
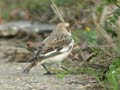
column 89, row 37
column 62, row 73
column 113, row 75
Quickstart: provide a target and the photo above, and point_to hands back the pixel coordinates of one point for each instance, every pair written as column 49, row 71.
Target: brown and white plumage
column 54, row 48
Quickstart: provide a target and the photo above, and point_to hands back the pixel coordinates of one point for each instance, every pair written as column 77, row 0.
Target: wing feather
column 55, row 44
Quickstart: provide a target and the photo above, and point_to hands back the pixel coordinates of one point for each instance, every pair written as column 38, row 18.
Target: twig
column 116, row 3
column 100, row 30
column 87, row 58
column 57, row 11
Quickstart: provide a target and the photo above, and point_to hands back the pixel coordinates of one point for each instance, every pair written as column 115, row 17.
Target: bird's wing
column 55, row 44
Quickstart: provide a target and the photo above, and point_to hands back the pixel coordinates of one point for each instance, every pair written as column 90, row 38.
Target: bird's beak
column 66, row 24
column 67, row 27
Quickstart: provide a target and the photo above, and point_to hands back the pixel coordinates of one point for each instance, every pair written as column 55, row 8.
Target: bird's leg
column 63, row 67
column 30, row 67
column 47, row 71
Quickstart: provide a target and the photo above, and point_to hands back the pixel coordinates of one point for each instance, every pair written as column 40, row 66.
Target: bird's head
column 63, row 26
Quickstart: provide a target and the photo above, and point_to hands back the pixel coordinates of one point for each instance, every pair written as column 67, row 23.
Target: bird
column 54, row 49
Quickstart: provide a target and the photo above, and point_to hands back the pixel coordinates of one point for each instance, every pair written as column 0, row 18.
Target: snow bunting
column 54, row 48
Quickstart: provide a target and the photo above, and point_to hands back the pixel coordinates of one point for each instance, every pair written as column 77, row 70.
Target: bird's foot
column 26, row 71
column 48, row 73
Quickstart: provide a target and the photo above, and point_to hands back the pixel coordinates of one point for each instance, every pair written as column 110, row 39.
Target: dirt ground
column 12, row 78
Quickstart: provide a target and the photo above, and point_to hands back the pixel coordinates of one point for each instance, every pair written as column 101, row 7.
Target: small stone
column 19, row 68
